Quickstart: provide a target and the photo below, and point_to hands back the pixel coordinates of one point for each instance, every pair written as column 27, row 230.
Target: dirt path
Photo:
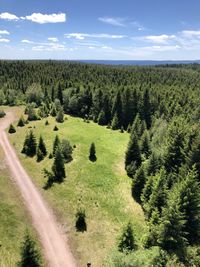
column 56, row 251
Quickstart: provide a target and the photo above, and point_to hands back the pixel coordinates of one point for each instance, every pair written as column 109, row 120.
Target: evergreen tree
column 189, row 200
column 21, row 122
column 56, row 143
column 102, row 118
column 117, row 109
column 30, row 256
column 81, row 225
column 138, row 183
column 60, row 116
column 146, row 109
column 42, row 146
column 145, row 144
column 154, row 164
column 39, row 155
column 30, row 145
column 127, row 242
column 174, row 155
column 58, row 167
column 194, row 155
column 92, row 155
column 147, row 190
column 11, row 129
column 158, row 197
column 53, row 111
column 115, row 122
column 171, row 230
column 60, row 94
column 138, row 126
column 66, row 150
column 133, row 156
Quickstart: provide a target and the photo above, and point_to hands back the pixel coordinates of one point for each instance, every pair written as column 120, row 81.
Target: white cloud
column 113, row 21
column 49, row 47
column 8, row 16
column 190, row 34
column 26, row 41
column 45, row 18
column 158, row 39
column 82, row 36
column 4, row 32
column 2, row 40
column 53, row 39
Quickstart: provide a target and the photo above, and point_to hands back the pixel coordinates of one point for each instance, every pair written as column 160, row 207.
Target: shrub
column 81, row 225
column 2, row 113
column 11, row 129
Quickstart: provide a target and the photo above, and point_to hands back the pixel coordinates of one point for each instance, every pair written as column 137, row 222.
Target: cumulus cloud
column 4, row 32
column 53, row 39
column 36, row 17
column 113, row 21
column 2, row 40
column 82, row 36
column 190, row 34
column 8, row 16
column 45, row 18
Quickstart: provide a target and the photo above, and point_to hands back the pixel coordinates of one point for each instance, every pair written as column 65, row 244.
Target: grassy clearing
column 101, row 188
column 13, row 219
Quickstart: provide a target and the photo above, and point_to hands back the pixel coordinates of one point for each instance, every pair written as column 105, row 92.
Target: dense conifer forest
column 160, row 107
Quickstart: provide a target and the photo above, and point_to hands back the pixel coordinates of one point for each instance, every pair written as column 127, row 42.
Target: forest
column 159, row 107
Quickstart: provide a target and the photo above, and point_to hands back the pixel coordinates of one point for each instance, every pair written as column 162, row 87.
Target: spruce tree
column 56, row 143
column 60, row 94
column 39, row 155
column 115, row 122
column 92, row 153
column 53, row 111
column 194, row 155
column 145, row 144
column 60, row 116
column 102, row 118
column 66, row 150
column 21, row 122
column 138, row 126
column 42, row 146
column 58, row 167
column 30, row 145
column 117, row 109
column 133, row 155
column 30, row 256
column 127, row 242
column 138, row 183
column 11, row 129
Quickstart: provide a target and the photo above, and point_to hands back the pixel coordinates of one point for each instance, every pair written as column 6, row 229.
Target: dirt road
column 56, row 251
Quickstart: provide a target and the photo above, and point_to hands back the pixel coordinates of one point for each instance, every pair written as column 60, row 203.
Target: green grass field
column 101, row 188
column 13, row 219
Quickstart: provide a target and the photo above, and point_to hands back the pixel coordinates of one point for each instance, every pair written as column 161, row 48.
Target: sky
column 103, row 29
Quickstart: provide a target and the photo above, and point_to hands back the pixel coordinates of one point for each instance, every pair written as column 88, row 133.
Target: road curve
column 56, row 250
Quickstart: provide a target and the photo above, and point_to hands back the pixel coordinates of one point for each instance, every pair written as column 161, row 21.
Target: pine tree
column 92, row 155
column 56, row 143
column 171, row 230
column 127, row 242
column 30, row 145
column 117, row 109
column 158, row 197
column 138, row 183
column 60, row 94
column 115, row 122
column 53, row 111
column 42, row 146
column 174, row 155
column 189, row 195
column 30, row 256
column 81, row 225
column 145, row 144
column 11, row 129
column 102, row 118
column 194, row 155
column 138, row 126
column 58, row 167
column 39, row 155
column 147, row 190
column 133, row 155
column 66, row 150
column 60, row 116
column 146, row 108
column 21, row 122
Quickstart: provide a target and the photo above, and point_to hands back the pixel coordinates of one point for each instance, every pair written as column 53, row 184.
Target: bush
column 127, row 242
column 81, row 225
column 55, row 128
column 2, row 113
column 11, row 129
column 60, row 116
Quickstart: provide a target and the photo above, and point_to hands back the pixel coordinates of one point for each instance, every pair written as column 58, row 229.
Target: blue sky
column 103, row 29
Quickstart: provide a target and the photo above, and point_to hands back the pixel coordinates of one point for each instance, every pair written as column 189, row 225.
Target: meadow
column 101, row 188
